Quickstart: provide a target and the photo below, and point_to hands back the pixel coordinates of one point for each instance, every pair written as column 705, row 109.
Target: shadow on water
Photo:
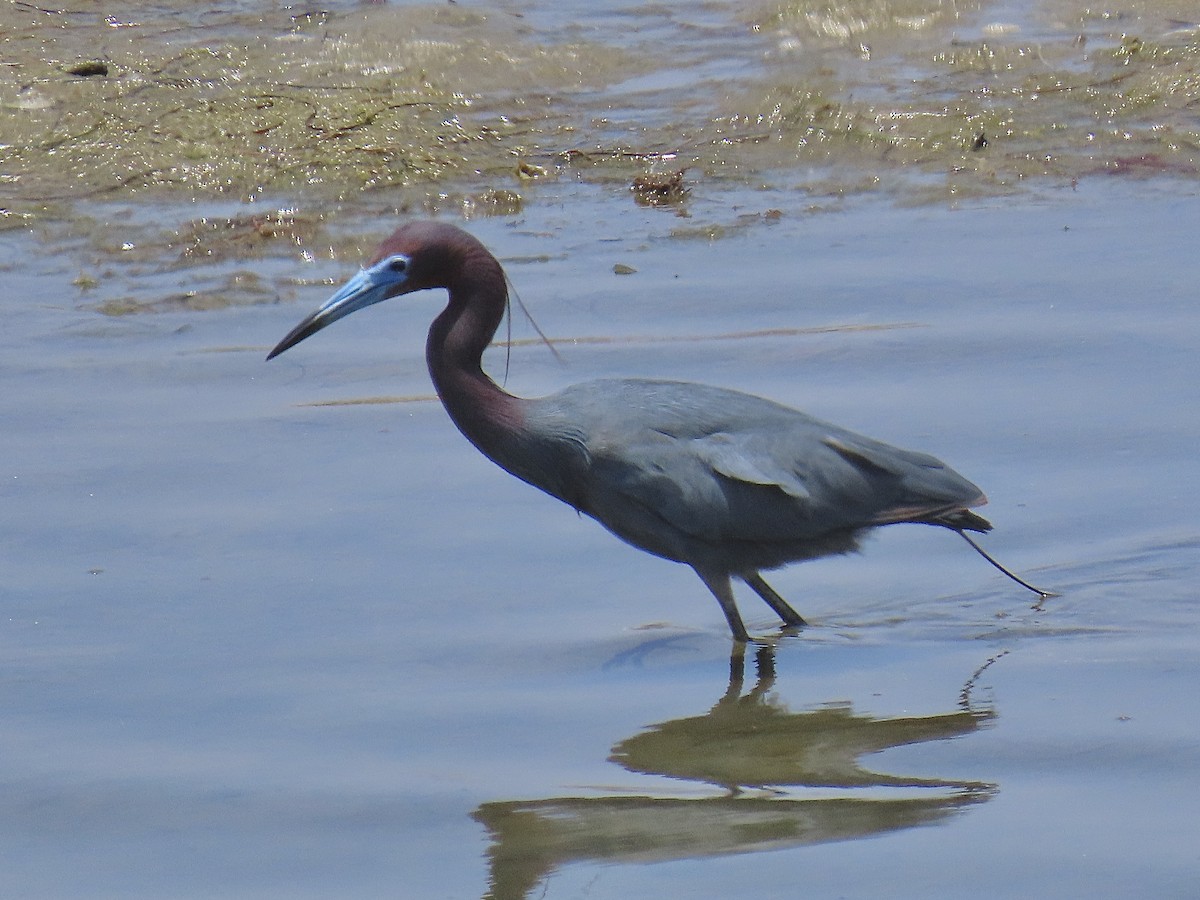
column 759, row 753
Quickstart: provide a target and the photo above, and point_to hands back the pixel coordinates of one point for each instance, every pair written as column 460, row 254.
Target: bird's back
column 704, row 474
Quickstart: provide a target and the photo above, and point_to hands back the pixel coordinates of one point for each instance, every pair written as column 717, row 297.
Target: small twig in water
column 1025, row 584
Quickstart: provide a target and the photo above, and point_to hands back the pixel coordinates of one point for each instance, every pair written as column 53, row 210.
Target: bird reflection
column 759, row 753
column 755, row 741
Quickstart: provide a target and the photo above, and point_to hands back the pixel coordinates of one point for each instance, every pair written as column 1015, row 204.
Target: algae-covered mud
column 839, row 96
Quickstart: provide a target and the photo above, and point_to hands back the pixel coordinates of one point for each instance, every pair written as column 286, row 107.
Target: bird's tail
column 964, row 520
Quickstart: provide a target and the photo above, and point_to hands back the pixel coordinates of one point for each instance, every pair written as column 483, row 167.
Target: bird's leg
column 773, row 600
column 718, row 583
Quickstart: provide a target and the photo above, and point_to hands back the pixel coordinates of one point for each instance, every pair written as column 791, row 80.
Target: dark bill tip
column 307, row 328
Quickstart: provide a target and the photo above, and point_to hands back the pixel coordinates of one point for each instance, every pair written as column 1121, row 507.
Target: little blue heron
column 729, row 483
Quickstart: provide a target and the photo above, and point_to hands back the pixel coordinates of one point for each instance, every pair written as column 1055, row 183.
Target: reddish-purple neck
column 486, row 415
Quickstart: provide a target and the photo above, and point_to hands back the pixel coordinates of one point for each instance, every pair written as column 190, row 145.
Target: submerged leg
column 718, row 583
column 773, row 600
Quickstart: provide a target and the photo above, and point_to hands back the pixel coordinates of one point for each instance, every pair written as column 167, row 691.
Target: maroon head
column 418, row 256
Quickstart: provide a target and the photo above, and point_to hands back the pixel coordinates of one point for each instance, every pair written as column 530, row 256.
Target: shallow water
column 260, row 639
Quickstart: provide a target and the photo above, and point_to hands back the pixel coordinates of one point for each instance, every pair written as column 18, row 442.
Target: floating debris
column 659, row 190
column 89, row 69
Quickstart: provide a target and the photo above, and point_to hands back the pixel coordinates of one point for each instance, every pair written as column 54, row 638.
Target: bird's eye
column 397, row 264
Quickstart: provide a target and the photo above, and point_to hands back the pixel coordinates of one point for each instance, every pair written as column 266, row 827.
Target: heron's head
column 417, row 256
